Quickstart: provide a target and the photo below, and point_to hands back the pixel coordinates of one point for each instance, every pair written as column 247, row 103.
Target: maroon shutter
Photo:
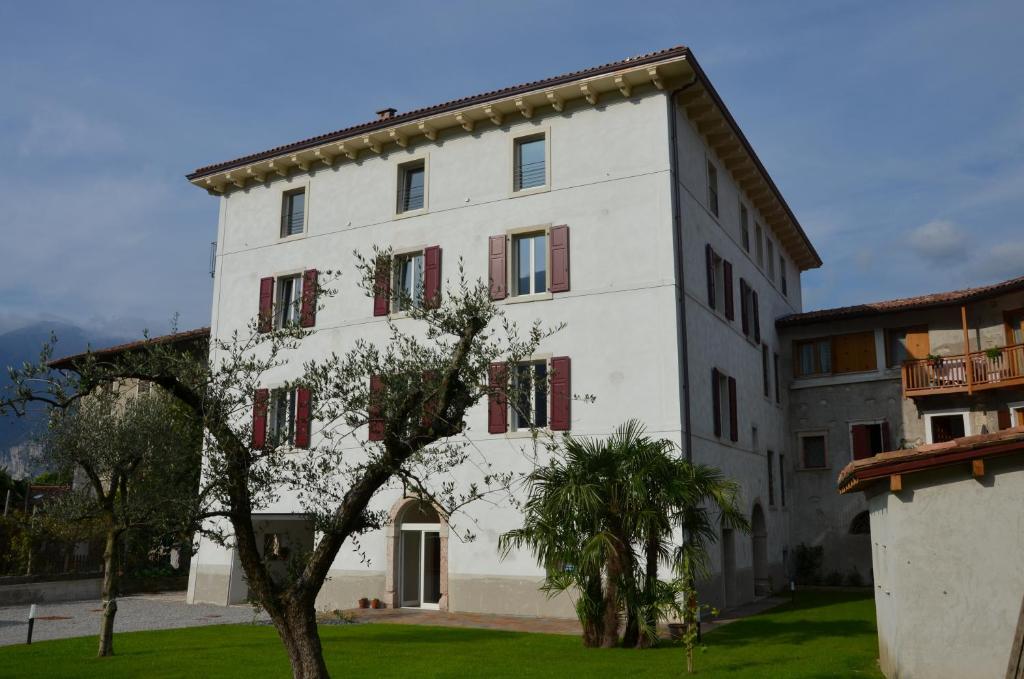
column 307, row 315
column 1005, row 421
column 382, row 287
column 259, row 418
column 561, row 394
column 861, row 441
column 497, row 405
column 716, row 402
column 559, row 245
column 374, row 410
column 757, row 315
column 496, row 269
column 734, row 420
column 709, row 256
column 303, row 417
column 730, row 312
column 432, row 277
column 886, row 444
column 744, row 307
column 266, row 315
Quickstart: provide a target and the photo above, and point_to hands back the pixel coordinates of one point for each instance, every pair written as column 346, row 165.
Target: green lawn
column 824, row 635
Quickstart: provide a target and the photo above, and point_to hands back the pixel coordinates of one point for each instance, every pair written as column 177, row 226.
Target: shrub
column 808, row 563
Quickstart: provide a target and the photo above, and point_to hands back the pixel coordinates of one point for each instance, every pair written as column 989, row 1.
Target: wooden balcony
column 955, row 374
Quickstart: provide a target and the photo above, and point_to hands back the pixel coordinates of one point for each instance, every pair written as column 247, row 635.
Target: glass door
column 420, row 567
column 431, row 569
column 411, row 566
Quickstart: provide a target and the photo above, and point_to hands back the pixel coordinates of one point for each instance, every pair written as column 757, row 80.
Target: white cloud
column 938, row 240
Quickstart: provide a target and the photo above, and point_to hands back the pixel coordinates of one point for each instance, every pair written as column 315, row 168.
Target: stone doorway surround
column 392, row 535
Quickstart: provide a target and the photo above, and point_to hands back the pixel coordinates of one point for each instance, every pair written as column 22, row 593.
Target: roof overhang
column 183, row 337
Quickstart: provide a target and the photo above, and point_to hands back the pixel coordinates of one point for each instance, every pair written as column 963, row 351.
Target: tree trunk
column 610, row 614
column 650, row 585
column 110, row 587
column 590, row 616
column 631, row 635
column 296, row 625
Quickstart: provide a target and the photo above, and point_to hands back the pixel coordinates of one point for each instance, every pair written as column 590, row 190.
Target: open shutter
column 861, row 441
column 559, row 244
column 886, row 442
column 730, row 311
column 1005, row 421
column 716, row 402
column 266, row 315
column 744, row 307
column 497, row 404
column 496, row 268
column 260, row 403
column 303, row 417
column 734, row 429
column 382, row 287
column 709, row 256
column 307, row 314
column 376, row 416
column 757, row 315
column 432, row 277
column 561, row 394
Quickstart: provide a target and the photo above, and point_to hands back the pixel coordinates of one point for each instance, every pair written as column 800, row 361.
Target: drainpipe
column 677, row 248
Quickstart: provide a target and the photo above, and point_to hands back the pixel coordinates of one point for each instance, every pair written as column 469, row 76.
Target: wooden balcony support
column 967, row 350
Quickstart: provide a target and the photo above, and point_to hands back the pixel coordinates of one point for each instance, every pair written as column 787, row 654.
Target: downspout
column 677, row 248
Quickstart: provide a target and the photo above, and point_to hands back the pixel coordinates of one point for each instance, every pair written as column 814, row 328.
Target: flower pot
column 376, row 603
column 364, row 603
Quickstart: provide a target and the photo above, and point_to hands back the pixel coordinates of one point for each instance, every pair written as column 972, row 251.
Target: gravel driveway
column 134, row 613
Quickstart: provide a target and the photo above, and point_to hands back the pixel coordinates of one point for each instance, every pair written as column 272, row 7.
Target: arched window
column 861, row 524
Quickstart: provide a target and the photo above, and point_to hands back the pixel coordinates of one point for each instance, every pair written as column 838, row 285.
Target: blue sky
column 894, row 129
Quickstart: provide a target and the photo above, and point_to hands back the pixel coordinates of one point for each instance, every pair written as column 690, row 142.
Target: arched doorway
column 759, row 538
column 417, row 574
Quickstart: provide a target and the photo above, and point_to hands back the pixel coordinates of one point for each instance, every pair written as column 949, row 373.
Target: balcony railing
column 980, row 370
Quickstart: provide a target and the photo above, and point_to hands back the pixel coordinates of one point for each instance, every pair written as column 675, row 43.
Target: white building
column 683, row 252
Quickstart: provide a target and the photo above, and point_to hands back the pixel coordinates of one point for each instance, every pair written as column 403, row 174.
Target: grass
column 823, row 635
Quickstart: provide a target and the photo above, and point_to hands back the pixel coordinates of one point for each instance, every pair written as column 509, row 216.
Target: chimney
column 386, row 114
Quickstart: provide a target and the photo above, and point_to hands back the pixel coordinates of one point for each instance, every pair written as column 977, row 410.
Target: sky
column 895, row 130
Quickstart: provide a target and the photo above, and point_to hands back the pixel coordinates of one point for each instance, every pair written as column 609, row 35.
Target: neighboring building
column 891, row 375
column 683, row 252
column 947, row 547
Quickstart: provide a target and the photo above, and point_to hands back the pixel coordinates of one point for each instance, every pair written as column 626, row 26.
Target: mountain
column 24, row 344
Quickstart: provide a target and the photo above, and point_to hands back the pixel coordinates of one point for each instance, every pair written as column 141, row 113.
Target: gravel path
column 134, row 613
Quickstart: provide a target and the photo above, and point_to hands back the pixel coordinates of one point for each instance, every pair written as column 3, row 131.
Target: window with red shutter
column 497, row 402
column 307, row 315
column 303, row 417
column 1005, row 421
column 266, row 313
column 745, row 307
column 730, row 312
column 756, row 314
column 861, row 441
column 260, row 402
column 561, row 394
column 559, row 244
column 716, row 402
column 734, row 430
column 496, row 267
column 375, row 411
column 432, row 277
column 709, row 256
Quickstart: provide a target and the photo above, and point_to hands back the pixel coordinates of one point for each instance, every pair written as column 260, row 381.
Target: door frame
column 422, row 529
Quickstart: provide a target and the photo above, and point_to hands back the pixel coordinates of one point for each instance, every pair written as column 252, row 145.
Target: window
column 289, row 301
column 770, row 249
column 813, row 357
column 530, row 165
column 530, row 264
column 849, row 353
column 1016, row 415
column 412, row 186
column 530, row 387
column 771, row 478
column 778, row 390
column 408, row 281
column 293, row 213
column 745, row 227
column 905, row 344
column 282, row 416
column 759, row 243
column 783, row 281
column 869, row 439
column 719, row 288
column 812, row 450
column 946, row 426
column 1014, row 327
column 712, row 189
column 765, row 377
column 723, row 401
column 750, row 314
column 782, row 479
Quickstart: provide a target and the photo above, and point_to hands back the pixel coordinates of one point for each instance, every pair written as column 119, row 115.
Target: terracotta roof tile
column 183, row 336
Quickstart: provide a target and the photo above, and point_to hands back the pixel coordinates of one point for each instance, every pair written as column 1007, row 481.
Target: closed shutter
column 854, row 352
column 496, row 268
column 307, row 315
column 375, row 411
column 561, row 394
column 917, row 342
column 755, row 308
column 266, row 315
column 559, row 243
column 432, row 277
column 303, row 417
column 709, row 256
column 716, row 402
column 260, row 403
column 497, row 405
column 382, row 287
column 1005, row 421
column 861, row 441
column 730, row 312
column 744, row 307
column 734, row 429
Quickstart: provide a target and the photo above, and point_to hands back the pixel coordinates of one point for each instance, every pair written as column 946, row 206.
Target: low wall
column 16, row 591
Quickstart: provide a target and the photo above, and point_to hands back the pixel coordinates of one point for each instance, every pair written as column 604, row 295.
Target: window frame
column 286, row 194
column 881, row 435
column 769, row 250
column 766, row 378
column 803, row 453
column 770, row 454
column 759, row 244
column 401, row 168
column 783, row 277
column 778, row 374
column 513, row 268
column 1009, row 328
column 798, row 343
column 714, row 196
column 745, row 227
column 292, row 415
column 513, row 414
column 398, row 256
column 725, row 409
column 515, row 141
column 1015, row 408
column 510, row 238
column 927, row 417
column 278, row 307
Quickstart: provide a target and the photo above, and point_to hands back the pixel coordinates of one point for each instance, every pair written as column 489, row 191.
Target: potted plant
column 994, row 353
column 376, row 603
column 364, row 603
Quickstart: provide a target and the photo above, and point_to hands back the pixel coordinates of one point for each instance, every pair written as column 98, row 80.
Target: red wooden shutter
column 1005, row 421
column 757, row 315
column 266, row 316
column 709, row 256
column 861, row 441
column 561, row 394
column 497, row 404
column 303, row 417
column 744, row 307
column 496, row 267
column 432, row 277
column 559, row 247
column 734, row 429
column 382, row 287
column 730, row 312
column 886, row 444
column 307, row 314
column 716, row 402
column 260, row 403
column 376, row 416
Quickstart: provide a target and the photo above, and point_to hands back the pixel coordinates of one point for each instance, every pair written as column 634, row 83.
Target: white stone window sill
column 530, row 191
column 411, row 213
column 522, row 299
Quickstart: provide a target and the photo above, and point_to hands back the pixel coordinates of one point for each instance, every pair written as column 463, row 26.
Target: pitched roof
column 937, row 299
column 183, row 336
column 861, row 473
